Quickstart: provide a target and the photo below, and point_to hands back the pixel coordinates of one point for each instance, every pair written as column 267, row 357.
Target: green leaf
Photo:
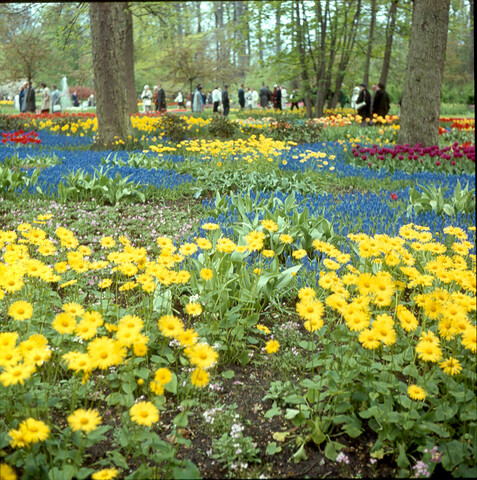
column 273, row 448
column 188, row 470
column 402, row 460
column 272, row 412
column 300, row 454
column 118, row 459
column 228, row 374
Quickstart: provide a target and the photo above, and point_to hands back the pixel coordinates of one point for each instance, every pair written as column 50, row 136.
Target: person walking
column 180, row 100
column 277, row 98
column 146, row 97
column 216, row 97
column 264, row 96
column 255, row 98
column 21, row 98
column 363, row 104
column 241, row 97
column 226, row 100
column 248, row 98
column 381, row 103
column 55, row 99
column 161, row 99
column 197, row 101
column 45, row 99
column 30, row 100
column 284, row 95
column 294, row 99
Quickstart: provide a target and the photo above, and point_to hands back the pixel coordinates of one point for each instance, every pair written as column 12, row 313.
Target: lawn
column 265, row 297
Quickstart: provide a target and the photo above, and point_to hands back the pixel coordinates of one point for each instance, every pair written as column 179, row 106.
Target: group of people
column 367, row 106
column 50, row 101
column 155, row 98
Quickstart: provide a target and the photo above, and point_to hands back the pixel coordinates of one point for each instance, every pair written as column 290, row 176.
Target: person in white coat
column 255, row 98
column 354, row 97
column 248, row 98
column 216, row 98
column 284, row 98
column 146, row 97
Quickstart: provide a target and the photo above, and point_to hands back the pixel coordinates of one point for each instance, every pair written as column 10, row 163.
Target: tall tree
column 370, row 42
column 390, row 28
column 425, row 68
column 129, row 59
column 471, row 39
column 108, row 34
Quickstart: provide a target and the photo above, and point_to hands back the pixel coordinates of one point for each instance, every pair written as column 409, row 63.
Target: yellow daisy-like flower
column 170, row 325
column 262, row 328
column 202, row 355
column 406, row 318
column 7, row 472
column 199, row 378
column 204, row 243
column 206, row 273
column 451, row 366
column 306, row 293
column 188, row 337
column 18, row 373
column 469, row 339
column 188, row 249
column 416, row 393
column 34, row 430
column 144, row 413
column 269, row 225
column 272, row 346
column 84, row 420
column 64, row 323
column 313, row 324
column 369, row 339
column 20, row 310
column 106, row 283
column 108, row 242
column 74, row 309
column 428, row 351
column 193, row 309
column 105, row 474
column 163, row 376
column 210, row 226
column 299, row 254
column 285, row 238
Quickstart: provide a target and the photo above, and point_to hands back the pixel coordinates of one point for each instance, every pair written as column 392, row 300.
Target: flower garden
column 264, row 297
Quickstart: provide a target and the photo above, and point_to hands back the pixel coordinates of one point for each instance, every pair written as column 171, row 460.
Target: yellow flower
column 299, row 254
column 84, row 420
column 285, row 238
column 272, row 346
column 108, row 242
column 469, row 339
column 406, row 318
column 428, row 351
column 74, row 309
column 451, row 366
column 105, row 474
column 17, row 373
column 7, row 472
column 262, row 328
column 269, row 225
column 202, row 355
column 416, row 393
column 163, row 376
column 144, row 413
column 170, row 325
column 107, row 282
column 34, row 430
column 206, row 273
column 105, row 352
column 199, row 378
column 193, row 309
column 210, row 226
column 20, row 310
column 64, row 323
column 369, row 339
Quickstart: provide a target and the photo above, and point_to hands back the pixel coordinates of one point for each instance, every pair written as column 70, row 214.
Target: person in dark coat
column 21, row 98
column 161, row 105
column 75, row 100
column 264, row 96
column 382, row 103
column 30, row 101
column 363, row 103
column 241, row 96
column 277, row 98
column 225, row 100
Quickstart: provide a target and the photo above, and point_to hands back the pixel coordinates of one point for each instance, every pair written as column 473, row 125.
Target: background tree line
column 326, row 45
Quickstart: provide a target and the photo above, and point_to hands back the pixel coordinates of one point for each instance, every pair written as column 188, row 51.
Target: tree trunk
column 278, row 15
column 424, row 72
column 301, row 53
column 471, row 40
column 108, row 34
column 391, row 26
column 129, row 60
column 370, row 43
